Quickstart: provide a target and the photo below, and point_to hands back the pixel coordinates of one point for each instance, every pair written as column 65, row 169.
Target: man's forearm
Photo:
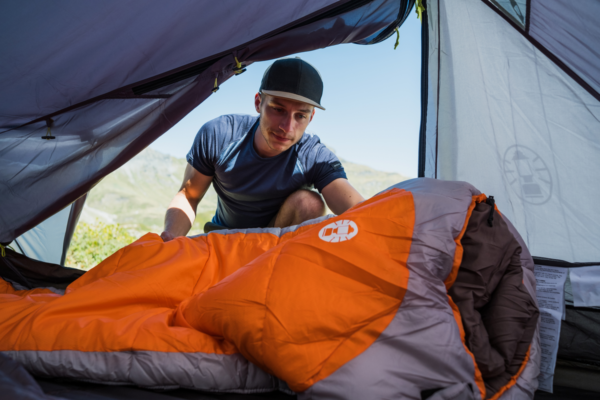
column 180, row 216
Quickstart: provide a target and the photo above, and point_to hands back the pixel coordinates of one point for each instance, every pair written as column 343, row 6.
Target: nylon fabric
column 433, row 72
column 169, row 370
column 508, row 109
column 571, row 32
column 365, row 315
column 105, row 35
column 407, row 352
column 363, row 279
column 124, row 325
column 97, row 135
column 16, row 383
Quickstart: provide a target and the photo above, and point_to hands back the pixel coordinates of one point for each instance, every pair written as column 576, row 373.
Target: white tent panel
column 515, row 125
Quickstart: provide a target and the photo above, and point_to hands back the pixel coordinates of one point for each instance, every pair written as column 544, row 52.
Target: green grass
column 92, row 243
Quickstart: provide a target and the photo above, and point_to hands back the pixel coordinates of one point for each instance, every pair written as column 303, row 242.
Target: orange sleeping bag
column 267, row 293
column 333, row 308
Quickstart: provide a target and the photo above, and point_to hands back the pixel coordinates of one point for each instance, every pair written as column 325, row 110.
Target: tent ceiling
column 78, row 70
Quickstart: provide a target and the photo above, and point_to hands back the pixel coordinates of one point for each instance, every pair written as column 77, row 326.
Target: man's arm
column 182, row 210
column 340, row 195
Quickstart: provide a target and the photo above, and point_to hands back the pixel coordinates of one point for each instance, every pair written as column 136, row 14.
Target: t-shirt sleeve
column 326, row 168
column 205, row 151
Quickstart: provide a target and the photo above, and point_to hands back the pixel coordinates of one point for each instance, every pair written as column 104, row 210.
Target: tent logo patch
column 527, row 174
column 339, row 231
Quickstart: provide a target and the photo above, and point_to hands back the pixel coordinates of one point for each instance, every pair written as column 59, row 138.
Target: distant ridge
column 137, row 194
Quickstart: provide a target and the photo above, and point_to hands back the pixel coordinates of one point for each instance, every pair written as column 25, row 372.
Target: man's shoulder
column 311, row 144
column 228, row 127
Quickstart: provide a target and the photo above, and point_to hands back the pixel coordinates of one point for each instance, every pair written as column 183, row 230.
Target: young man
column 263, row 167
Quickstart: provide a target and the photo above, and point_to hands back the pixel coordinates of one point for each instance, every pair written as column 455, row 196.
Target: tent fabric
column 515, row 122
column 579, row 340
column 50, row 240
column 28, row 273
column 516, row 10
column 353, row 306
column 571, row 34
column 105, row 80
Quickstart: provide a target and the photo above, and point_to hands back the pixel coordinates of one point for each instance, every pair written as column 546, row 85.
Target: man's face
column 282, row 123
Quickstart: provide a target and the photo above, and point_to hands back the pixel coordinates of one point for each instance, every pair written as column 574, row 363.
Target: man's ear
column 312, row 114
column 257, row 100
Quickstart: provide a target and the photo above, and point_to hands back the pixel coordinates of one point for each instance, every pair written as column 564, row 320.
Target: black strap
column 490, row 200
column 24, row 281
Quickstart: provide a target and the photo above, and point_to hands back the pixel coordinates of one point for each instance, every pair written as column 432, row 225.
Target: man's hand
column 182, row 210
column 340, row 195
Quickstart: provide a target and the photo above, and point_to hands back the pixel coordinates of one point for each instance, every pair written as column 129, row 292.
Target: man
column 262, row 167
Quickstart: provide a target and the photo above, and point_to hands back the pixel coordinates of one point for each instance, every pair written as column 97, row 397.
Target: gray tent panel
column 107, row 79
column 45, row 241
column 50, row 240
column 64, row 52
column 508, row 118
column 570, row 32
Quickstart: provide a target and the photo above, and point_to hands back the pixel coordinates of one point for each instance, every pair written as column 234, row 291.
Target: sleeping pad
column 423, row 291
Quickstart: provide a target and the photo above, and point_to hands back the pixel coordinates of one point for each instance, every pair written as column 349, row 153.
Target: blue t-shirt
column 251, row 188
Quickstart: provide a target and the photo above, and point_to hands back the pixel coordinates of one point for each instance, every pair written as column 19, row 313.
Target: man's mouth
column 280, row 138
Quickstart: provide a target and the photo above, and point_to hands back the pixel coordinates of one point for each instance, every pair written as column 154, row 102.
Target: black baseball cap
column 294, row 79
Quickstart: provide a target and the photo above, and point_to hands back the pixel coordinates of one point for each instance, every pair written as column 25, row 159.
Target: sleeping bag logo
column 527, row 174
column 339, row 231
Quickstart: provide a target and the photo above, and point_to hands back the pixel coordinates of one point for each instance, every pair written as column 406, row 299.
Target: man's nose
column 287, row 123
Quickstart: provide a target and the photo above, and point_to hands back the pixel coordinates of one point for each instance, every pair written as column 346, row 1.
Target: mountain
column 138, row 194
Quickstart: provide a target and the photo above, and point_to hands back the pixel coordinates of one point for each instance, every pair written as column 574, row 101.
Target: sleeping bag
column 423, row 291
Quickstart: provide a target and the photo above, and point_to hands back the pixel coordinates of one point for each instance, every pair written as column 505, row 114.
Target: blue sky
column 372, row 97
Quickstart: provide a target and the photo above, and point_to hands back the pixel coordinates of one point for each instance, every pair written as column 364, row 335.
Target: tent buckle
column 48, row 136
column 239, row 67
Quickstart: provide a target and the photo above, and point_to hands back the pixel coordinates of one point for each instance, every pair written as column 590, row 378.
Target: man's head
column 290, row 90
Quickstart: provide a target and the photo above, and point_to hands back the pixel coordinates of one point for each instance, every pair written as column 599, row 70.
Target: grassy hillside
column 136, row 196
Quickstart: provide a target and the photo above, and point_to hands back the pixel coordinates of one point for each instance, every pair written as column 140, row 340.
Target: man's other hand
column 166, row 236
column 340, row 195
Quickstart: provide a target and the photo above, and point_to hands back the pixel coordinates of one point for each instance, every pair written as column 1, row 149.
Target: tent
column 509, row 104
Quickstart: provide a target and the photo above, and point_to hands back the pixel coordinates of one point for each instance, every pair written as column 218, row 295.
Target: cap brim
column 292, row 96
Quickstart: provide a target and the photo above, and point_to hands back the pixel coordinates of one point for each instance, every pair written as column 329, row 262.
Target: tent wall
column 107, row 79
column 50, row 240
column 517, row 119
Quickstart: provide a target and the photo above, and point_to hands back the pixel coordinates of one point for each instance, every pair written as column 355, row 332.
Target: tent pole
column 424, row 91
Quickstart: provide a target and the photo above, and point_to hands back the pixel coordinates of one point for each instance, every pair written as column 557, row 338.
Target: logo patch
column 527, row 174
column 339, row 231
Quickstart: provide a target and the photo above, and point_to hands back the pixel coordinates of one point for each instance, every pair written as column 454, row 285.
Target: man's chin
column 280, row 147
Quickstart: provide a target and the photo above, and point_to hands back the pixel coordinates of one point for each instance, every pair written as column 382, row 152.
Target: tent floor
column 91, row 391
